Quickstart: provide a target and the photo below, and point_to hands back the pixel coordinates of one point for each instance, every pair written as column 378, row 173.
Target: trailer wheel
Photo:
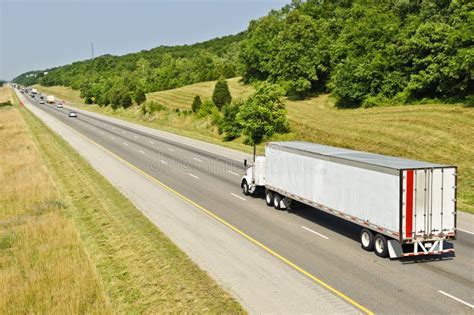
column 245, row 188
column 381, row 247
column 269, row 198
column 367, row 240
column 277, row 201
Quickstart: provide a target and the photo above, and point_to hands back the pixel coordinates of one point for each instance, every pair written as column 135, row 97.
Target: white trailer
column 405, row 207
column 50, row 99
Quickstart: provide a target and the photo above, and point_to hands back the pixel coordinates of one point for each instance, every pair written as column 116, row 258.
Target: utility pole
column 92, row 49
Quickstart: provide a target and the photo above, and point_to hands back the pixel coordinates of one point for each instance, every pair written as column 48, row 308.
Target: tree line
column 364, row 52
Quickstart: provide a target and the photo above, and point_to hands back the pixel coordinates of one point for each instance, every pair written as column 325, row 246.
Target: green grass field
column 435, row 133
column 75, row 244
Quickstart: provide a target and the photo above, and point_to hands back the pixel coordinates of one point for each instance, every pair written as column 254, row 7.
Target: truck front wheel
column 380, row 246
column 269, row 198
column 367, row 240
column 245, row 188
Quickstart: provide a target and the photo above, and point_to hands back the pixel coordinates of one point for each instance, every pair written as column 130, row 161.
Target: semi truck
column 404, row 207
column 50, row 99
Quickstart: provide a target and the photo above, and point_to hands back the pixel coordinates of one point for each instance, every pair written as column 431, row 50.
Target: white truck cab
column 254, row 177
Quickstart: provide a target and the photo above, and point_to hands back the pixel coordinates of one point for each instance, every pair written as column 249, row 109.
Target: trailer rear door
column 429, row 203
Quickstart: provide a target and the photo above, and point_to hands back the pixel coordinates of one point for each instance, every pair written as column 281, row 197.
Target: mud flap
column 395, row 249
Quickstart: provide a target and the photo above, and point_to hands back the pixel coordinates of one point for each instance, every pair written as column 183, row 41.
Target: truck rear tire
column 367, row 240
column 381, row 246
column 269, row 198
column 277, row 201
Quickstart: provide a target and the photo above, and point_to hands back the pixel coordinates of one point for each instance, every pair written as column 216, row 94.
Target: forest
column 363, row 52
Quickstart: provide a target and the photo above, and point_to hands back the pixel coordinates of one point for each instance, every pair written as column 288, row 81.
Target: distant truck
column 405, row 207
column 50, row 99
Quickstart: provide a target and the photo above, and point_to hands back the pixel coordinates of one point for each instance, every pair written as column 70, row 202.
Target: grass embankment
column 43, row 265
column 434, row 133
column 74, row 244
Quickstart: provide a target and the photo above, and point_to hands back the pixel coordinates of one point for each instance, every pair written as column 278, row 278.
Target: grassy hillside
column 182, row 98
column 72, row 243
column 435, row 133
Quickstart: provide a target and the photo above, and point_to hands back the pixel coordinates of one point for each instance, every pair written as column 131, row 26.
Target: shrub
column 151, row 107
column 196, row 104
column 140, row 96
column 229, row 125
column 207, row 108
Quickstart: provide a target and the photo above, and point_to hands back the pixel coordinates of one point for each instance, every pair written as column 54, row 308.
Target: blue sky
column 41, row 34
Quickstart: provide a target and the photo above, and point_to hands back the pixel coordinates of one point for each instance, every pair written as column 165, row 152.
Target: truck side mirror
column 245, row 162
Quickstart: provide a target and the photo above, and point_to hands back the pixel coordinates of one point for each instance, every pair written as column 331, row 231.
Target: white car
column 72, row 114
column 59, row 105
column 41, row 101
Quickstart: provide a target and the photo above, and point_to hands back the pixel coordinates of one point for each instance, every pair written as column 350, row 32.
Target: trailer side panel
column 359, row 192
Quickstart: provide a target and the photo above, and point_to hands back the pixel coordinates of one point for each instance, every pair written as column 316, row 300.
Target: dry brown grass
column 43, row 265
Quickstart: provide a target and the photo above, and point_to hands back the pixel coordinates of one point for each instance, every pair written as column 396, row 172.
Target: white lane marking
column 123, row 132
column 192, row 175
column 136, row 137
column 172, row 150
column 468, row 232
column 112, row 138
column 151, row 142
column 125, row 143
column 196, row 159
column 102, row 132
column 141, row 151
column 314, row 232
column 164, row 162
column 237, row 196
column 456, row 299
column 233, row 173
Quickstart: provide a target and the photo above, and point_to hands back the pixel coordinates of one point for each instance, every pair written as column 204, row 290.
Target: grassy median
column 71, row 243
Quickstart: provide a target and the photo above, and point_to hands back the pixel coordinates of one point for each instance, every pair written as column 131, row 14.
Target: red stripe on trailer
column 409, row 204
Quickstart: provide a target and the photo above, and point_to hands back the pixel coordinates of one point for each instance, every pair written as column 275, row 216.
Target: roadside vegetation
column 44, row 267
column 71, row 243
column 429, row 132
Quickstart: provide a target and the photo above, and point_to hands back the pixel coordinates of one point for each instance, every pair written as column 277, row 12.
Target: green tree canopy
column 263, row 114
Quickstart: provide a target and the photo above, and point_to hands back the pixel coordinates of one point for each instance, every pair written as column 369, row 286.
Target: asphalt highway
column 324, row 246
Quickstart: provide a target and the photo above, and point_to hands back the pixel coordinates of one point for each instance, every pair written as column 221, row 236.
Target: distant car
column 41, row 101
column 59, row 105
column 72, row 114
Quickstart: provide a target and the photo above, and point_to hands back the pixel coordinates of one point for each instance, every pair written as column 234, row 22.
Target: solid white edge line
column 314, row 232
column 468, row 232
column 456, row 299
column 237, row 196
column 196, row 159
column 192, row 175
column 233, row 173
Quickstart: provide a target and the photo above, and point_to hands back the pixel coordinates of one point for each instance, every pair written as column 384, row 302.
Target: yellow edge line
column 232, row 227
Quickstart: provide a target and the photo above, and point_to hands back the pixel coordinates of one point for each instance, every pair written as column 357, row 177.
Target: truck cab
column 254, row 177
